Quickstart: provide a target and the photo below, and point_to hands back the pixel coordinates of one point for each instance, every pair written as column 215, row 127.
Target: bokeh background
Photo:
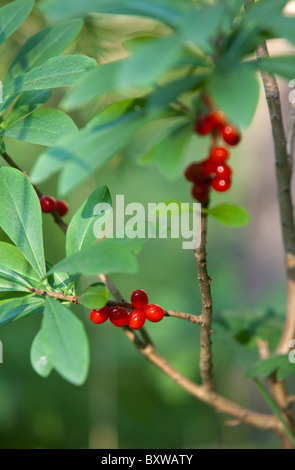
column 126, row 402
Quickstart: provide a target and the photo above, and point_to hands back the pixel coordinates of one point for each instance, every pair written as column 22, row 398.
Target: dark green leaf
column 65, row 342
column 20, row 216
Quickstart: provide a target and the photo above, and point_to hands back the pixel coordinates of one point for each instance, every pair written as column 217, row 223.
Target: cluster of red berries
column 213, row 172
column 48, row 204
column 136, row 318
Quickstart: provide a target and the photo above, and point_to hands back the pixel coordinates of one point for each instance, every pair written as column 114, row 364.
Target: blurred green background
column 126, row 402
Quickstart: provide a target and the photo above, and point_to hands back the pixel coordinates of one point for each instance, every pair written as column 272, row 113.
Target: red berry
column 218, row 155
column 100, row 315
column 136, row 319
column 204, row 124
column 220, row 185
column 139, row 298
column 47, row 204
column 119, row 316
column 223, row 171
column 154, row 313
column 61, row 207
column 230, row 135
column 218, row 118
column 198, row 171
column 200, row 191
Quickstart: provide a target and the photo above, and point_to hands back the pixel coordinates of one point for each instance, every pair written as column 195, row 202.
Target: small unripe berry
column 47, row 204
column 200, row 191
column 220, row 185
column 139, row 298
column 100, row 315
column 154, row 313
column 230, row 135
column 119, row 316
column 136, row 319
column 61, row 207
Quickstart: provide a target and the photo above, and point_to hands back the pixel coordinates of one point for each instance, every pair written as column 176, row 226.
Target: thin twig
column 283, row 176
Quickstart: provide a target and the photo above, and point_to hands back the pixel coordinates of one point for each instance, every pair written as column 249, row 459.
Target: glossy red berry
column 220, row 184
column 218, row 117
column 47, row 204
column 119, row 316
column 100, row 315
column 61, row 207
column 139, row 298
column 223, row 171
column 230, row 135
column 198, row 171
column 154, row 313
column 204, row 124
column 200, row 191
column 136, row 319
column 218, row 155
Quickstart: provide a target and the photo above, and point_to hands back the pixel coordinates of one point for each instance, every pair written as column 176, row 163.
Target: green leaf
column 20, row 308
column 169, row 153
column 158, row 9
column 200, row 25
column 164, row 95
column 229, row 214
column 56, row 72
column 49, row 42
column 44, row 127
column 235, row 90
column 273, row 406
column 80, row 231
column 20, row 216
column 152, row 134
column 65, row 342
column 11, row 257
column 80, row 156
column 95, row 296
column 11, row 281
column 105, row 257
column 39, row 358
column 94, row 85
column 12, row 16
column 160, row 55
column 265, row 367
column 26, row 104
column 281, row 65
